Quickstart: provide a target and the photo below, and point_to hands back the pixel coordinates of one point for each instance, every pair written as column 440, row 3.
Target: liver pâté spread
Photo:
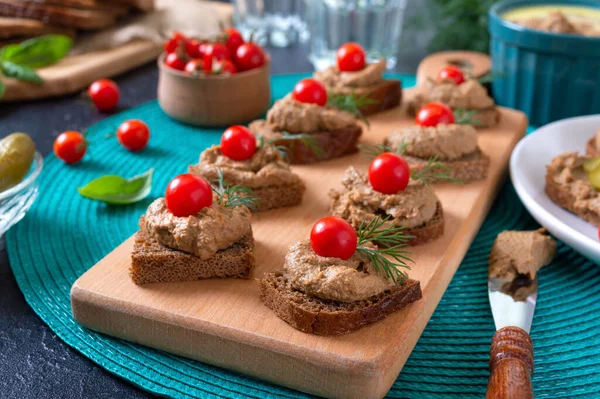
column 293, row 116
column 264, row 169
column 358, row 202
column 212, row 229
column 331, row 278
column 335, row 80
column 447, row 142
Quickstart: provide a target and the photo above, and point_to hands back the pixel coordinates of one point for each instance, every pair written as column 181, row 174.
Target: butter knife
column 511, row 353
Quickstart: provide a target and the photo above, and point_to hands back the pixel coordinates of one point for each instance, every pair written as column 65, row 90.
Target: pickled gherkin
column 16, row 156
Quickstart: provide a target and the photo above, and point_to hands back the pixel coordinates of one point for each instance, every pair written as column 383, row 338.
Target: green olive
column 16, row 156
column 591, row 164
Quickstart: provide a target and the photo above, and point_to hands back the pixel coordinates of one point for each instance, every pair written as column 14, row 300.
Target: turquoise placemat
column 63, row 235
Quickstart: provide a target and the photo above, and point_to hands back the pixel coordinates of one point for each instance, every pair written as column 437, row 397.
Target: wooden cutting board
column 223, row 322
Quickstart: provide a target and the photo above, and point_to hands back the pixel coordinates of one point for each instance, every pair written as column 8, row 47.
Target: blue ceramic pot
column 548, row 76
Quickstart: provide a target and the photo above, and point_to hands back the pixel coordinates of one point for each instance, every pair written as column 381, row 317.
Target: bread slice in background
column 94, row 5
column 469, row 167
column 143, row 5
column 322, row 317
column 385, row 95
column 25, row 28
column 152, row 262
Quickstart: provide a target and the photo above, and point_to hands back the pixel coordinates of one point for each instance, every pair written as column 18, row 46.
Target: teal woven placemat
column 63, row 235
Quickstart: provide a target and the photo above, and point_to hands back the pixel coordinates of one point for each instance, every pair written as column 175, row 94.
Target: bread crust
column 387, row 95
column 333, row 143
column 152, row 262
column 23, row 29
column 470, row 167
column 322, row 317
column 283, row 196
column 429, row 231
column 563, row 198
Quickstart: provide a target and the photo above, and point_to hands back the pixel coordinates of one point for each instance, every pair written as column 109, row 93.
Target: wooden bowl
column 214, row 100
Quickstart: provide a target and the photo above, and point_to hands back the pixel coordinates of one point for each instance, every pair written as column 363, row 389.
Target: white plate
column 528, row 170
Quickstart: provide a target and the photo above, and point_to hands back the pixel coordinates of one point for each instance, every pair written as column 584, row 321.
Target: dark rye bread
column 333, row 143
column 98, row 5
column 57, row 15
column 25, row 28
column 152, row 262
column 386, row 95
column 429, row 231
column 469, row 167
column 322, row 317
column 275, row 197
column 562, row 196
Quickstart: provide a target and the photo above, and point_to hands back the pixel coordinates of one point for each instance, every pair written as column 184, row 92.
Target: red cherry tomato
column 249, row 56
column 453, row 73
column 133, row 135
column 104, row 94
column 234, row 40
column 202, row 48
column 216, row 51
column 70, row 147
column 174, row 42
column 351, row 57
column 389, row 173
column 225, row 66
column 192, row 48
column 238, row 143
column 433, row 114
column 174, row 61
column 310, row 91
column 187, row 195
column 194, row 66
column 333, row 237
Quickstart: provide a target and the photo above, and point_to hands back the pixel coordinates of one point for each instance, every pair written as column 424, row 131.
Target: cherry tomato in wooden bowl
column 195, row 66
column 233, row 40
column 70, row 147
column 175, row 61
column 451, row 72
column 133, row 135
column 351, row 57
column 433, row 114
column 175, row 42
column 333, row 237
column 310, row 91
column 104, row 94
column 238, row 143
column 389, row 173
column 249, row 56
column 187, row 195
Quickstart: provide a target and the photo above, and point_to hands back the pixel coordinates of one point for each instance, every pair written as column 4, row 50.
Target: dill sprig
column 371, row 151
column 390, row 256
column 465, row 117
column 232, row 196
column 306, row 139
column 433, row 171
column 351, row 103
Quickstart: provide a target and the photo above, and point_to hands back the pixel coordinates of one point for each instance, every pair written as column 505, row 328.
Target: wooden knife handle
column 511, row 365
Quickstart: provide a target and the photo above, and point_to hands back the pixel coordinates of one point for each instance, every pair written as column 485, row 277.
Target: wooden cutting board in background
column 76, row 73
column 223, row 322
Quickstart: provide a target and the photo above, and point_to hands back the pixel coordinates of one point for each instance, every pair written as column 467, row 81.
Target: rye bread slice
column 387, row 95
column 561, row 195
column 590, row 148
column 97, row 5
column 25, row 28
column 322, row 317
column 57, row 15
column 333, row 143
column 283, row 196
column 428, row 231
column 142, row 5
column 152, row 262
column 469, row 167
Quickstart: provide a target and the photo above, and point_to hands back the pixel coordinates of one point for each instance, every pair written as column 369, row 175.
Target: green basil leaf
column 2, row 89
column 20, row 72
column 38, row 52
column 117, row 190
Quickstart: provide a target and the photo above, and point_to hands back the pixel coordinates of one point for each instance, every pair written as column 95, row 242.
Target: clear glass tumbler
column 276, row 23
column 375, row 24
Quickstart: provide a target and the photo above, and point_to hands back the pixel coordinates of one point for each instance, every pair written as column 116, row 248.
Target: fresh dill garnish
column 371, row 151
column 351, row 103
column 232, row 196
column 390, row 256
column 433, row 171
column 465, row 117
column 307, row 140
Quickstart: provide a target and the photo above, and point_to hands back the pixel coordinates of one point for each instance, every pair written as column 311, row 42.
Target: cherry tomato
column 389, row 173
column 70, row 147
column 249, row 56
column 453, row 73
column 234, row 40
column 192, row 48
column 310, row 91
column 225, row 66
column 238, row 143
column 351, row 57
column 187, row 195
column 202, row 48
column 104, row 94
column 133, row 135
column 216, row 51
column 194, row 66
column 173, row 60
column 433, row 114
column 333, row 237
column 174, row 42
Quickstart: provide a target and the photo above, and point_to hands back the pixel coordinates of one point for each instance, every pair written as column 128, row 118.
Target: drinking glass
column 277, row 23
column 374, row 24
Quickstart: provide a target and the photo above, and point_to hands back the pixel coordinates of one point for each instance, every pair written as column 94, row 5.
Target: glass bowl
column 16, row 201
